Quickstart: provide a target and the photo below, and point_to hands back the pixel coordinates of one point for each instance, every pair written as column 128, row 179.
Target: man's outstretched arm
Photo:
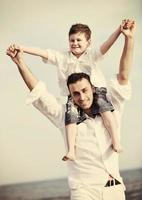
column 25, row 72
column 127, row 54
column 45, row 103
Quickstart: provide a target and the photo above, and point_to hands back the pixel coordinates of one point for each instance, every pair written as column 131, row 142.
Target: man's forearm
column 27, row 75
column 110, row 41
column 126, row 59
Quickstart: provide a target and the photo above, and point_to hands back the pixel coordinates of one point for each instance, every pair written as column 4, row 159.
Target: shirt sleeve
column 119, row 93
column 53, row 57
column 47, row 104
column 97, row 55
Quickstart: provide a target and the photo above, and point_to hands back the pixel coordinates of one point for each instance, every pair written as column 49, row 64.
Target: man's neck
column 89, row 112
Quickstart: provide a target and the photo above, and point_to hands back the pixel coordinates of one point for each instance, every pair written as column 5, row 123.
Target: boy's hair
column 83, row 28
column 73, row 78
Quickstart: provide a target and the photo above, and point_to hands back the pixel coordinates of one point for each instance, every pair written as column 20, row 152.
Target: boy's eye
column 78, row 40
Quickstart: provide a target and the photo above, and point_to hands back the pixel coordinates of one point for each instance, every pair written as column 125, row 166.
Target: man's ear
column 93, row 88
column 73, row 100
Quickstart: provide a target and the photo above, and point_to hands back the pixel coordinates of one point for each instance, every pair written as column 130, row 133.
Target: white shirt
column 95, row 159
column 67, row 64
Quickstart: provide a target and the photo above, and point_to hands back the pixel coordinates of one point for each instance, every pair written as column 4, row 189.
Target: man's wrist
column 129, row 37
column 118, row 30
column 20, row 62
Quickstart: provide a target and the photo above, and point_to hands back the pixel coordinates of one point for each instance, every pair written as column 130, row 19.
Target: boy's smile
column 78, row 44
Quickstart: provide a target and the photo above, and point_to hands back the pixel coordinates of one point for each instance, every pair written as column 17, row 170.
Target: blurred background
column 31, row 148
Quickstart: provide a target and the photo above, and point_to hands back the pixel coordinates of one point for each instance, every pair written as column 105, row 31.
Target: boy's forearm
column 110, row 41
column 35, row 51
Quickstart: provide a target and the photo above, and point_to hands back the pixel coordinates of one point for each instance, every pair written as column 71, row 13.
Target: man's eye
column 75, row 94
column 85, row 90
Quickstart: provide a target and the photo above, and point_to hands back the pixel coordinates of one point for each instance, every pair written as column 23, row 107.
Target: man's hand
column 128, row 27
column 15, row 53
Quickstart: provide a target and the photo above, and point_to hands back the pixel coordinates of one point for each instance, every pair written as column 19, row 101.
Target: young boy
column 81, row 58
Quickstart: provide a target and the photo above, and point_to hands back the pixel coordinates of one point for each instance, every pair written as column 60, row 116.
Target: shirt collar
column 81, row 57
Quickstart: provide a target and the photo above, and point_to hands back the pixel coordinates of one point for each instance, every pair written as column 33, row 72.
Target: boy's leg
column 105, row 108
column 71, row 136
column 71, row 118
column 110, row 124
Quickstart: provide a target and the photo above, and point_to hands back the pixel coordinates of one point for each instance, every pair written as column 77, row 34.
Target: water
column 53, row 189
column 58, row 189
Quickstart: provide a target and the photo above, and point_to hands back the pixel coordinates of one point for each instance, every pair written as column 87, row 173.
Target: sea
column 57, row 189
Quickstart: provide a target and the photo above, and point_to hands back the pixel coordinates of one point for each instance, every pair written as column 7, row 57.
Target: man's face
column 78, row 44
column 82, row 93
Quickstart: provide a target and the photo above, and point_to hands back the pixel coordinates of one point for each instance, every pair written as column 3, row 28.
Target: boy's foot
column 117, row 148
column 68, row 157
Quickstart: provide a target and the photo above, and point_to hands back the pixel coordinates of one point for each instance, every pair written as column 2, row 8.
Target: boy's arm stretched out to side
column 30, row 50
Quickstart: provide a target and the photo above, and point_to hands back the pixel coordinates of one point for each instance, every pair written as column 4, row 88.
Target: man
column 94, row 175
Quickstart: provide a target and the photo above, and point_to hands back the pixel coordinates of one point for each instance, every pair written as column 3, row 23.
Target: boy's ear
column 89, row 42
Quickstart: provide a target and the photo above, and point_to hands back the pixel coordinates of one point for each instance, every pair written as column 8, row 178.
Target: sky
column 31, row 148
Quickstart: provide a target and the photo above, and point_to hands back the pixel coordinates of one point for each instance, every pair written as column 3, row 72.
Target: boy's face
column 78, row 43
column 82, row 93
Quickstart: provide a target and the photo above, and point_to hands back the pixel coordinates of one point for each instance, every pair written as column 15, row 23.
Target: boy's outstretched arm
column 127, row 54
column 110, row 41
column 113, row 37
column 30, row 50
column 26, row 74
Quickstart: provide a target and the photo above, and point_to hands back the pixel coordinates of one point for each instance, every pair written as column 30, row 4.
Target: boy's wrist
column 22, row 48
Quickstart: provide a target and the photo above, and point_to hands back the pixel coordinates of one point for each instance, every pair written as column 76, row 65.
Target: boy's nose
column 75, row 42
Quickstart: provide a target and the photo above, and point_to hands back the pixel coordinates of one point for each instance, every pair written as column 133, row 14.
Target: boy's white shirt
column 92, row 142
column 67, row 64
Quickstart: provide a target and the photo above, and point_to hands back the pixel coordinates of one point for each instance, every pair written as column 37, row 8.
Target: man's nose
column 82, row 96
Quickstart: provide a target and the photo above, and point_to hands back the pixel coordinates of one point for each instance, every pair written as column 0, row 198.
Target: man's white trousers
column 85, row 192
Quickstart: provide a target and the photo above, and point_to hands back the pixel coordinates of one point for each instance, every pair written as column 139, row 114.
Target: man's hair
column 82, row 28
column 73, row 78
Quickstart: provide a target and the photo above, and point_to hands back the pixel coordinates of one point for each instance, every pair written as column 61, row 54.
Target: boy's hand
column 13, row 49
column 15, row 53
column 128, row 27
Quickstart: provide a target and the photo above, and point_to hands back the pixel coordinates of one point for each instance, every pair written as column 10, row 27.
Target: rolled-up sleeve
column 96, row 54
column 53, row 57
column 119, row 93
column 47, row 104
